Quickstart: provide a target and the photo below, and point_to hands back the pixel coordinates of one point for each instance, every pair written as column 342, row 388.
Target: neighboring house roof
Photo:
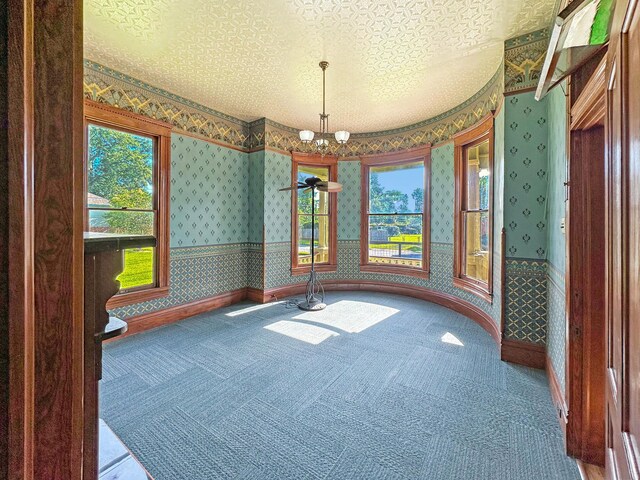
column 96, row 200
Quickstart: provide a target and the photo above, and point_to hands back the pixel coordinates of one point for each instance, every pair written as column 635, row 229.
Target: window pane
column 139, row 265
column 121, row 221
column 304, row 198
column 476, row 259
column 396, row 188
column 477, row 168
column 395, row 240
column 321, row 243
column 119, row 170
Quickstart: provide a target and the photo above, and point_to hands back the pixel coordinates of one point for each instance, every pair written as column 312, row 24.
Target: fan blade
column 288, row 188
column 307, row 190
column 329, row 186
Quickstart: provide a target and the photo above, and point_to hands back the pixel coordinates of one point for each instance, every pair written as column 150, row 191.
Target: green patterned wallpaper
column 525, row 220
column 498, row 206
column 277, row 205
column 442, row 194
column 556, row 323
column 209, row 201
column 556, row 103
column 525, row 170
column 256, row 196
column 349, row 201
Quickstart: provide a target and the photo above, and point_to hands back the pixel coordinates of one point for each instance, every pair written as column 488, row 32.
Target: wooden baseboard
column 454, row 303
column 150, row 320
column 523, row 353
column 256, row 295
column 147, row 321
column 557, row 395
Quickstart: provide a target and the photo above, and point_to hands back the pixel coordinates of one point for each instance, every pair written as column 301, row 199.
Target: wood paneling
column 589, row 108
column 523, row 353
column 4, row 250
column 45, row 238
column 622, row 251
column 585, row 296
column 100, row 272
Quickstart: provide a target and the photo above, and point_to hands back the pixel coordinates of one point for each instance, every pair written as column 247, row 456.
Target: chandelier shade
column 342, row 137
column 306, row 135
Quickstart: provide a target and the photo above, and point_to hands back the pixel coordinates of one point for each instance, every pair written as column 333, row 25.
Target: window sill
column 395, row 270
column 474, row 288
column 125, row 299
column 323, row 268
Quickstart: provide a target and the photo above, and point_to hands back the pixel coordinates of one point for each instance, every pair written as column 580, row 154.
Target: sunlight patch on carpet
column 452, row 339
column 349, row 316
column 302, row 331
column 253, row 308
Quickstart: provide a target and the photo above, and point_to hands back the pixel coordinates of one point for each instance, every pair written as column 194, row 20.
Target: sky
column 405, row 180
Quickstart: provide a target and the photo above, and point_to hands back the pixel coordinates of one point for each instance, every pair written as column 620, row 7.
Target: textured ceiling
column 392, row 62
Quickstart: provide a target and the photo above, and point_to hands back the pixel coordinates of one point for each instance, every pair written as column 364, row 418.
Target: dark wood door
column 623, row 246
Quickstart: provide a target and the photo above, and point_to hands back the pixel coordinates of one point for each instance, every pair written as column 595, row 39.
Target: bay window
column 395, row 223
column 323, row 224
column 473, row 222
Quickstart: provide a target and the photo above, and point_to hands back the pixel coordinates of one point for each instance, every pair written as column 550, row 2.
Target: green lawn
column 138, row 268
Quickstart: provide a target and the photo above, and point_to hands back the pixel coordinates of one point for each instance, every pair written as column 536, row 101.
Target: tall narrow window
column 473, row 257
column 323, row 223
column 127, row 192
column 395, row 213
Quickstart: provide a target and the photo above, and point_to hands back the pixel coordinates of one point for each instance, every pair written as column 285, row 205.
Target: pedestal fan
column 314, row 298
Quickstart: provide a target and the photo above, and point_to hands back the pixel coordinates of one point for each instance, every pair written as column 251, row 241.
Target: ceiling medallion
column 322, row 144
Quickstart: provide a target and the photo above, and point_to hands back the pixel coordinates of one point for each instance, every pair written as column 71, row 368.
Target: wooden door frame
column 42, row 199
column 585, row 274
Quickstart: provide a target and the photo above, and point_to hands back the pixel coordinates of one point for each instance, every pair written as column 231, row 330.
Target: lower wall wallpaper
column 196, row 273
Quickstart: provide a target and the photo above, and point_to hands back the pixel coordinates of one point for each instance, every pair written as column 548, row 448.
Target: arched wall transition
column 230, row 231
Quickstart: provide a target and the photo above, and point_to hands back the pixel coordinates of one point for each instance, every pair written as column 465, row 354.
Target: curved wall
column 205, row 235
column 218, row 243
column 277, row 167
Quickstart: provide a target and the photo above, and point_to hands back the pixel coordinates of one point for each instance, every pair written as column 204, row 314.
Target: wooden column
column 103, row 262
column 42, row 199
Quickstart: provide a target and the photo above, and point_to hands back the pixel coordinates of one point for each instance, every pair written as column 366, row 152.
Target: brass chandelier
column 321, row 145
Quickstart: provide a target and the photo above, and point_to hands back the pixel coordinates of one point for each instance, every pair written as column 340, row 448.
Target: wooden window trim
column 107, row 116
column 422, row 154
column 470, row 137
column 314, row 160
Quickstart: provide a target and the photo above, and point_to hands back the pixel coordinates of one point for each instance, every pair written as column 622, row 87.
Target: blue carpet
column 375, row 387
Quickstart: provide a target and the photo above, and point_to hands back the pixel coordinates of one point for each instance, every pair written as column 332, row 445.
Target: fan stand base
column 312, row 305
